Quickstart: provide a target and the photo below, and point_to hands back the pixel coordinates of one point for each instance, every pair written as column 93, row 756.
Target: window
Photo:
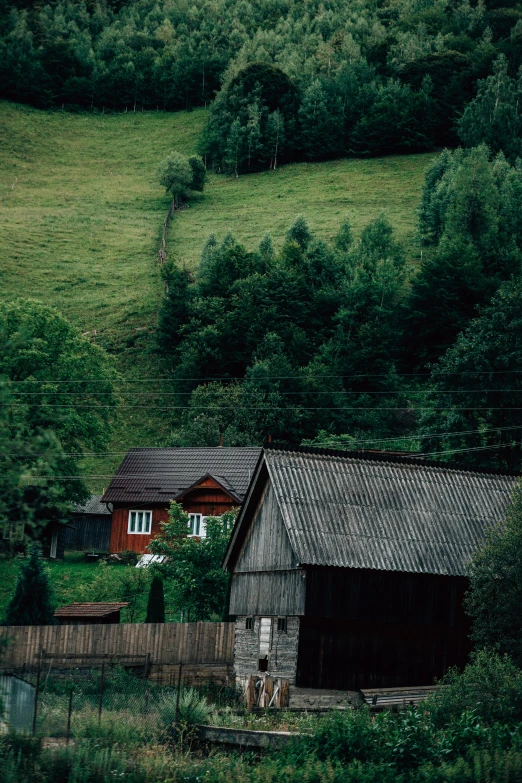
column 265, row 636
column 140, row 522
column 249, row 624
column 281, row 624
column 197, row 525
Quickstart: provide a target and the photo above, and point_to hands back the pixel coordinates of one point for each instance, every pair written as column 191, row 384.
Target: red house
column 205, row 481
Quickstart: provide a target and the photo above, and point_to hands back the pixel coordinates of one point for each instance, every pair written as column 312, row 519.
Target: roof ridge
column 362, row 455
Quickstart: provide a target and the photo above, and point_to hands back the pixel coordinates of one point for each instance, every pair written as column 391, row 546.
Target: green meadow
column 324, row 192
column 81, row 216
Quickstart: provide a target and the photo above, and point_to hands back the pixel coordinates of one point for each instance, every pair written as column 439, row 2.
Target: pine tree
column 32, row 602
column 156, row 602
column 493, row 117
column 299, row 232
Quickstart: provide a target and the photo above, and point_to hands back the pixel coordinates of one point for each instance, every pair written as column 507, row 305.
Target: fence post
column 102, row 683
column 37, row 690
column 178, row 693
column 69, row 713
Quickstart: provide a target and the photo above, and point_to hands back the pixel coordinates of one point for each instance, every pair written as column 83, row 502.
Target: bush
column 192, row 711
column 490, row 686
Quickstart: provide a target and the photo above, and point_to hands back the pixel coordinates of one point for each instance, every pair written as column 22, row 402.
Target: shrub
column 192, row 710
column 490, row 686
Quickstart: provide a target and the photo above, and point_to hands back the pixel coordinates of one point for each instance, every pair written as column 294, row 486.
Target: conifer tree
column 156, row 602
column 32, row 602
column 299, row 232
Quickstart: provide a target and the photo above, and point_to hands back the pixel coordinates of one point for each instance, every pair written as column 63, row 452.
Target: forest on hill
column 294, row 80
column 343, row 343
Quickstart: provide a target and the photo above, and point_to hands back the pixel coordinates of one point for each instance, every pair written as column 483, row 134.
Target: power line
column 417, row 436
column 279, row 377
column 303, row 392
column 218, row 408
column 168, row 473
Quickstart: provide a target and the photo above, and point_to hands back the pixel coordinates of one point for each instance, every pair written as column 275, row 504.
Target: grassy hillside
column 81, row 216
column 81, row 212
column 80, row 221
column 324, row 192
column 71, row 579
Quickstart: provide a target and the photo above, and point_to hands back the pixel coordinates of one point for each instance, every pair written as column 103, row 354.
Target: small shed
column 349, row 570
column 88, row 529
column 90, row 613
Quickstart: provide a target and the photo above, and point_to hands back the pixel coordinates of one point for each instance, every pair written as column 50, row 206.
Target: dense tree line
column 323, row 340
column 365, row 77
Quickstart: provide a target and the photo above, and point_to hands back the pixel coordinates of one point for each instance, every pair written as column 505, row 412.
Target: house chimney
column 221, row 440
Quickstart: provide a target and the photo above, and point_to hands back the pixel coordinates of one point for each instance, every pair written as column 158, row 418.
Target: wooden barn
column 349, row 571
column 205, row 481
column 88, row 529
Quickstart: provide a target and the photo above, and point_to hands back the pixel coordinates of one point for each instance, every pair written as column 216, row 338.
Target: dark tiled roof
column 89, row 610
column 92, row 506
column 160, row 475
column 352, row 512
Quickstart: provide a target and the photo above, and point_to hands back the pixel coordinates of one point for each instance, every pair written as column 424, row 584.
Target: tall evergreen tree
column 33, row 600
column 156, row 602
column 493, row 117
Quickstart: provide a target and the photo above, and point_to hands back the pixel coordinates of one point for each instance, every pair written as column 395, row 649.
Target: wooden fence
column 205, row 649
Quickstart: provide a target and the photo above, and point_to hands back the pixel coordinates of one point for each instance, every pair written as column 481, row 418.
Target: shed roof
column 89, row 609
column 93, row 506
column 162, row 474
column 353, row 512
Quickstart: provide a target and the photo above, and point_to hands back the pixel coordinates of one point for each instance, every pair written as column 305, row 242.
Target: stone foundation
column 282, row 654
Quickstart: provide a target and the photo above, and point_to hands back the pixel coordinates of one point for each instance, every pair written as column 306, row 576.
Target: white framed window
column 140, row 522
column 197, row 525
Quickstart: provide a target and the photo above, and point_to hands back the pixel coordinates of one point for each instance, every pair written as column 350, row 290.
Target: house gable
column 266, row 546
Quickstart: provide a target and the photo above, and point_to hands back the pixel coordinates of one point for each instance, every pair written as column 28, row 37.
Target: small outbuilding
column 349, row 570
column 89, row 613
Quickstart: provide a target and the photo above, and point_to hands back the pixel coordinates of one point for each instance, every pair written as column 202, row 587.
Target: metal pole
column 69, row 713
column 37, row 690
column 102, row 682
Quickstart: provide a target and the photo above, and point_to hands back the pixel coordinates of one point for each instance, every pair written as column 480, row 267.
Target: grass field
column 81, row 216
column 68, row 578
column 80, row 221
column 324, row 192
column 80, row 212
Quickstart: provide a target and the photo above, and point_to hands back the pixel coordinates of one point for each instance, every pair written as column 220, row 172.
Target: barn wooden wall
column 87, row 532
column 204, row 648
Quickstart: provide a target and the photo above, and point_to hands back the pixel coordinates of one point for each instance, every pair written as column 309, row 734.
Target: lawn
column 324, row 192
column 68, row 577
column 70, row 580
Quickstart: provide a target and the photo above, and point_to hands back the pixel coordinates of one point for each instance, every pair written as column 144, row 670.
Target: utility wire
column 168, row 473
column 89, row 454
column 279, row 377
column 302, row 392
column 280, row 408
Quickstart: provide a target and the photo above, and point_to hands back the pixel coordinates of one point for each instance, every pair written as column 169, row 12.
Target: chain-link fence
column 103, row 697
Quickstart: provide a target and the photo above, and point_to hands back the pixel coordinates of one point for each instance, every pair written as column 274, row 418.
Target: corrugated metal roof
column 160, row 475
column 357, row 513
column 92, row 506
column 89, row 609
